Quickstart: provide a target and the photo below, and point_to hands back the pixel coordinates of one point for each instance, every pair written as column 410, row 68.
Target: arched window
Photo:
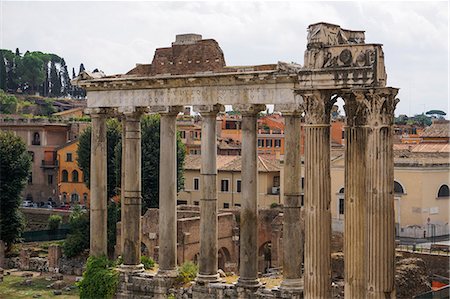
column 341, row 191
column 398, row 189
column 444, row 191
column 64, row 176
column 74, row 198
column 36, row 139
column 84, row 198
column 75, row 176
column 64, row 197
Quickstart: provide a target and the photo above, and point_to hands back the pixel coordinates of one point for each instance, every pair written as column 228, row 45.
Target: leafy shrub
column 54, row 221
column 274, row 205
column 100, row 280
column 78, row 239
column 148, row 262
column 187, row 272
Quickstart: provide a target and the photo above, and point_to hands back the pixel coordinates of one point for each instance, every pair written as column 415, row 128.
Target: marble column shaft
column 292, row 233
column 317, row 276
column 168, row 194
column 208, row 203
column 248, row 268
column 98, row 203
column 131, row 223
column 380, row 104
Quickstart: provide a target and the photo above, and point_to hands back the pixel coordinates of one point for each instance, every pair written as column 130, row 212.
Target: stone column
column 292, row 234
column 98, row 203
column 249, row 207
column 380, row 104
column 168, row 191
column 208, row 204
column 131, row 205
column 317, row 106
column 355, row 198
column 122, row 186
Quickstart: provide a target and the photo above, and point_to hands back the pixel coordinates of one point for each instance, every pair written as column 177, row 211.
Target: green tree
column 113, row 137
column 3, row 73
column 55, row 80
column 150, row 158
column 54, row 221
column 32, row 72
column 78, row 239
column 8, row 103
column 15, row 165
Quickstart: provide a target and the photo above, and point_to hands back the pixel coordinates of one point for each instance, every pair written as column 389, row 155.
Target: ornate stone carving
column 355, row 112
column 325, row 34
column 379, row 104
column 209, row 109
column 317, row 105
column 289, row 109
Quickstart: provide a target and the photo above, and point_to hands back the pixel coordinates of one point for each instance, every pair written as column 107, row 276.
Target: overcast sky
column 113, row 36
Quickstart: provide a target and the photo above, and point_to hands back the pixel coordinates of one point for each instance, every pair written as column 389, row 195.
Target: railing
column 49, row 164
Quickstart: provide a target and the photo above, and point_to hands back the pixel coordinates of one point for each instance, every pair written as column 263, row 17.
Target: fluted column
column 317, row 105
column 292, row 231
column 380, row 104
column 208, row 203
column 248, row 268
column 122, row 183
column 98, row 203
column 132, row 200
column 168, row 191
column 355, row 206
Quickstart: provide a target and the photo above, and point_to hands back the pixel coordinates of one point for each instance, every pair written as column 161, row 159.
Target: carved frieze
column 209, row 109
column 317, row 105
column 249, row 109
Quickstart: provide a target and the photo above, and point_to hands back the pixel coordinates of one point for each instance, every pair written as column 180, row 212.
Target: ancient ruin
column 337, row 63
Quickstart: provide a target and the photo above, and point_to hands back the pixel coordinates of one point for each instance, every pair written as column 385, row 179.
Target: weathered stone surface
column 411, row 278
column 54, row 256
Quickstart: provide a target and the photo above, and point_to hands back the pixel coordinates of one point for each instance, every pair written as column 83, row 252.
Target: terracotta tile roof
column 233, row 163
column 437, row 129
column 423, row 148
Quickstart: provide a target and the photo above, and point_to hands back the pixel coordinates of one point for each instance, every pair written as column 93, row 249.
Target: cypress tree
column 2, row 72
column 82, row 69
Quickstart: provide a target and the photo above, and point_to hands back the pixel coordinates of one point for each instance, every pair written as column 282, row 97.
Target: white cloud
column 113, row 36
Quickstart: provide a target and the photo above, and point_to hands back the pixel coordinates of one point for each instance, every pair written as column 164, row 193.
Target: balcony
column 49, row 164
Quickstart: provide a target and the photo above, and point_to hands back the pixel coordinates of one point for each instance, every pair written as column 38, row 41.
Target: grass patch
column 10, row 288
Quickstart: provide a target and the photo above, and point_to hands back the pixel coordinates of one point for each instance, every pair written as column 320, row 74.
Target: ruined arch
column 223, row 257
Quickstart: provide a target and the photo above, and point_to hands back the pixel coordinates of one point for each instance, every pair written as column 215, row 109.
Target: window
column 260, row 143
column 398, row 189
column 342, row 191
column 303, row 183
column 75, row 176
column 196, row 183
column 181, row 202
column 343, row 134
column 196, row 203
column 31, row 155
column 69, row 157
column 276, row 181
column 36, row 139
column 268, row 142
column 75, row 198
column 238, row 186
column 64, row 176
column 237, row 204
column 341, row 206
column 224, row 185
column 226, row 205
column 85, row 198
column 30, row 178
column 277, row 142
column 50, row 179
column 64, row 196
column 444, row 191
column 183, row 134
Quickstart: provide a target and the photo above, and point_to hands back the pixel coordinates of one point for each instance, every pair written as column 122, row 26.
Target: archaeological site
column 338, row 63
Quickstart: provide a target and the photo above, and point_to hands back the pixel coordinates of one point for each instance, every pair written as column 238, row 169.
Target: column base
column 207, row 278
column 292, row 284
column 130, row 269
column 248, row 283
column 167, row 273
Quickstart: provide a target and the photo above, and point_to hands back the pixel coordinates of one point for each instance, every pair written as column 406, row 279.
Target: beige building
column 230, row 182
column 421, row 187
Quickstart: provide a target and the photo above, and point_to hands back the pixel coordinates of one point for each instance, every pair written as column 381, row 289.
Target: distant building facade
column 71, row 181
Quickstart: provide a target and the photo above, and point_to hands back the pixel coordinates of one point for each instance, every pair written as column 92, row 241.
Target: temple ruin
column 192, row 72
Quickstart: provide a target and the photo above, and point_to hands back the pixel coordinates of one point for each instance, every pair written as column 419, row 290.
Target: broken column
column 168, row 191
column 208, row 204
column 248, row 269
column 317, row 276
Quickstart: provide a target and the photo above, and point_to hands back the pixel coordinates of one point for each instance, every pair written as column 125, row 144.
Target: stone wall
column 37, row 219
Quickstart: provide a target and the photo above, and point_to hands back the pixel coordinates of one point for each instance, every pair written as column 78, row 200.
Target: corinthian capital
column 379, row 105
column 355, row 111
column 317, row 105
